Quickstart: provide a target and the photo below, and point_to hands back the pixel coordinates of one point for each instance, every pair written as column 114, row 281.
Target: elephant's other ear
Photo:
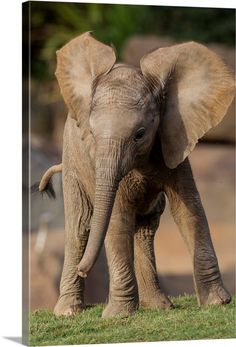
column 79, row 63
column 199, row 89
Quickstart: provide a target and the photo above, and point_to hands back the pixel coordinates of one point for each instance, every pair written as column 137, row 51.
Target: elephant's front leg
column 189, row 215
column 78, row 212
column 123, row 296
column 150, row 293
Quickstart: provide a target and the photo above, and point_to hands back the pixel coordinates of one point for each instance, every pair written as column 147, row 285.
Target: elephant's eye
column 139, row 134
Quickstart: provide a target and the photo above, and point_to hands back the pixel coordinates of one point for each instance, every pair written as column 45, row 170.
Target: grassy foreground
column 186, row 321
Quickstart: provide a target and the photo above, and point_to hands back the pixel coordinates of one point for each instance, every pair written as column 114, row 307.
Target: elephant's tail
column 45, row 185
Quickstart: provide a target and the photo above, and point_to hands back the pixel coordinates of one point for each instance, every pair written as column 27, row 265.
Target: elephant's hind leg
column 150, row 294
column 78, row 212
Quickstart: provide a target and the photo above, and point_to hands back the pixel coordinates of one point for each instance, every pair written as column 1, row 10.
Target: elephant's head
column 179, row 92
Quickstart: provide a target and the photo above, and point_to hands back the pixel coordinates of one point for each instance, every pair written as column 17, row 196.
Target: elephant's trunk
column 107, row 180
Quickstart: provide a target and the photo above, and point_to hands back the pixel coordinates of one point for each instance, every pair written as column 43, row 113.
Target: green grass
column 187, row 321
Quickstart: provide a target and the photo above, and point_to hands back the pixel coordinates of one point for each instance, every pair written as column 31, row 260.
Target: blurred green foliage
column 53, row 24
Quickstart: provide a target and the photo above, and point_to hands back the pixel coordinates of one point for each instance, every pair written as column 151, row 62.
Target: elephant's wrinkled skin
column 126, row 141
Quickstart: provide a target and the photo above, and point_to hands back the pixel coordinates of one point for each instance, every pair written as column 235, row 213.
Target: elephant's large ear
column 199, row 89
column 79, row 63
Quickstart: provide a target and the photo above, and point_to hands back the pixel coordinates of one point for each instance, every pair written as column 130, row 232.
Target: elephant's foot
column 157, row 301
column 68, row 306
column 119, row 309
column 216, row 294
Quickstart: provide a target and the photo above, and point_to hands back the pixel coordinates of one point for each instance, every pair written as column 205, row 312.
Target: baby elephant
column 127, row 137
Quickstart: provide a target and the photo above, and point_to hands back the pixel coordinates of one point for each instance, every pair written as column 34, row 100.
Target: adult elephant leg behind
column 150, row 293
column 189, row 215
column 123, row 295
column 78, row 212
